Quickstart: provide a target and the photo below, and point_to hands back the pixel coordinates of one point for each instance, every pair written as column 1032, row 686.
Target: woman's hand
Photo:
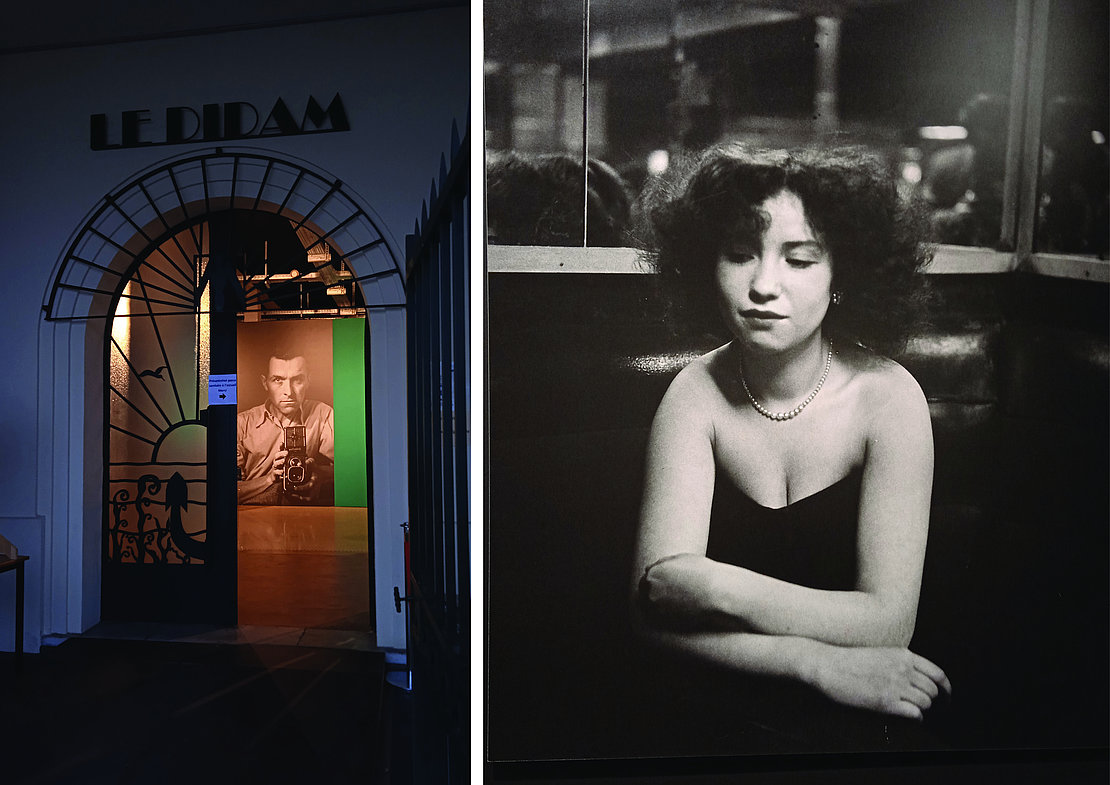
column 889, row 680
column 677, row 588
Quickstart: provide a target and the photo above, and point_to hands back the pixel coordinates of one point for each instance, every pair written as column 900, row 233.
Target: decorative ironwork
column 145, row 218
column 147, row 527
column 142, row 261
column 156, row 443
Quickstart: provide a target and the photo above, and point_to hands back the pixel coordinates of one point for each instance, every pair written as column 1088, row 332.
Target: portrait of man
column 285, row 446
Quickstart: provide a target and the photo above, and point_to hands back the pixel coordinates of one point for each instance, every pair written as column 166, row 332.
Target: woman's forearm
column 776, row 607
column 748, row 652
column 892, row 680
column 700, row 590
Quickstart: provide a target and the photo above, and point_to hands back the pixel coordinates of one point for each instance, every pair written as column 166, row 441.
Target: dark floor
column 297, row 693
column 144, row 711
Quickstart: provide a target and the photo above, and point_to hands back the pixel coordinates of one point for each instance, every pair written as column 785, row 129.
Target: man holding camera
column 286, row 446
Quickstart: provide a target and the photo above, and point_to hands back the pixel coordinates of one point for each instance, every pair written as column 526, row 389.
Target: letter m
column 318, row 117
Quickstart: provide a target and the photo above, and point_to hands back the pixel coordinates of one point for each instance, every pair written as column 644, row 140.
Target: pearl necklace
column 781, row 416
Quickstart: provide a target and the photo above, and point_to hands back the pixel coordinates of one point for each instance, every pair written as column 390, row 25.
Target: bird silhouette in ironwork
column 156, row 373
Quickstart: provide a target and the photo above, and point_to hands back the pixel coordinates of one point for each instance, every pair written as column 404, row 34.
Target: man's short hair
column 287, row 351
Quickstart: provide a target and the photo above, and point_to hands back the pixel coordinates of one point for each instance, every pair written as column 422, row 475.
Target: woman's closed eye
column 740, row 256
column 803, row 254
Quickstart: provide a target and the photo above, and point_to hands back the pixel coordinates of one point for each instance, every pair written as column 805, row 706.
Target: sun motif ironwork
column 343, row 238
column 141, row 261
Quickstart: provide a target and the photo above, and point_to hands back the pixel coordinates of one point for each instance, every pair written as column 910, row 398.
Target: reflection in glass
column 538, row 200
column 668, row 79
column 1073, row 215
column 963, row 182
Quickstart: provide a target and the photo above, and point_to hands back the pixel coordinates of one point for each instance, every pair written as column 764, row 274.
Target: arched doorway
column 156, row 256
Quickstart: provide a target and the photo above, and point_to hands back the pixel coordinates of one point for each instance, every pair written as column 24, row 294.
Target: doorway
column 303, row 548
column 147, row 266
column 232, row 293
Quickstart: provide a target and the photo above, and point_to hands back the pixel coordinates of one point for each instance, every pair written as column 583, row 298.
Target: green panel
column 348, row 363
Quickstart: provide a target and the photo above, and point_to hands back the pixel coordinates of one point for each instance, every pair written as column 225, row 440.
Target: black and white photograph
column 797, row 381
column 285, row 427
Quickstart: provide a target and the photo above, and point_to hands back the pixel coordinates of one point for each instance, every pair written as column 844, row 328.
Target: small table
column 17, row 565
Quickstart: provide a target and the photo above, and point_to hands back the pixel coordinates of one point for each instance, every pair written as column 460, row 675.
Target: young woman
column 789, row 472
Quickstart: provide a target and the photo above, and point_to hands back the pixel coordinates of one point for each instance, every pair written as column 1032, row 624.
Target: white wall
column 403, row 79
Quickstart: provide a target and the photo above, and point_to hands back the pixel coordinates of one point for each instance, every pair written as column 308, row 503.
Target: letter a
column 279, row 122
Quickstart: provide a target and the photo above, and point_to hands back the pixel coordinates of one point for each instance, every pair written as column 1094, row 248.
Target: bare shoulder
column 894, row 418
column 885, row 388
column 693, row 392
column 698, row 378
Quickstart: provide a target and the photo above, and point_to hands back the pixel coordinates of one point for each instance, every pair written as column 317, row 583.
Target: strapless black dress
column 810, row 542
column 714, row 711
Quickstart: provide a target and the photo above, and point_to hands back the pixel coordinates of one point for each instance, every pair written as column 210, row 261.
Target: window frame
column 1015, row 250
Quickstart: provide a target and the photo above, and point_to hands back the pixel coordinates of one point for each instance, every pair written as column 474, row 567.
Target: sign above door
column 213, row 123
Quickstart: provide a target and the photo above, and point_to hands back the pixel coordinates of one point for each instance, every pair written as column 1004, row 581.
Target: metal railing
column 438, row 545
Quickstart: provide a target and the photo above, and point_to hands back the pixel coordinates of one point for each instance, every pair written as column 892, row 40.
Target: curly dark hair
column 538, row 201
column 875, row 239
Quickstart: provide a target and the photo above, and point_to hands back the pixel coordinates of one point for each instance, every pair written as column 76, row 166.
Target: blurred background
column 936, row 86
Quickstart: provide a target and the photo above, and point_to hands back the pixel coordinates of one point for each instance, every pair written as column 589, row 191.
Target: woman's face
column 774, row 293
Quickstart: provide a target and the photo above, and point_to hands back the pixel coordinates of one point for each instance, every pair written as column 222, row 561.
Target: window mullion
column 1018, row 83
column 585, row 121
column 1031, row 131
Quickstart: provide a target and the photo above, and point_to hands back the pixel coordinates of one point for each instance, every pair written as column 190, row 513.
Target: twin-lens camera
column 296, row 460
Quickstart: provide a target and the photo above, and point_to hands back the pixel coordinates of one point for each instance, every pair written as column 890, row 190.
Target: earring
column 836, row 298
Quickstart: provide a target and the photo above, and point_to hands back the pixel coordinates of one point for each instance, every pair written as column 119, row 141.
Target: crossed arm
column 850, row 645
